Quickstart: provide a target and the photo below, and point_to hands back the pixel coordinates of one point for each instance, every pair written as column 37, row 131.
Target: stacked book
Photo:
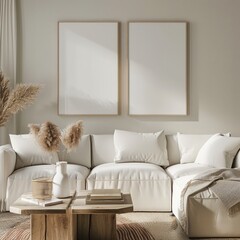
column 105, row 196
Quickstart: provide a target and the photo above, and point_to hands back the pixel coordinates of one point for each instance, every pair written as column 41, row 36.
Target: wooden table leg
column 38, row 227
column 103, row 227
column 83, row 226
column 61, row 227
column 97, row 227
column 53, row 226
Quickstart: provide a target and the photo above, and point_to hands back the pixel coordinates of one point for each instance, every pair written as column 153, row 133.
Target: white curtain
column 8, row 54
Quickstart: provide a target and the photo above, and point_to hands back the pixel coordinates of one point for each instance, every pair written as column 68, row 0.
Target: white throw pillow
column 219, row 151
column 140, row 147
column 190, row 144
column 29, row 151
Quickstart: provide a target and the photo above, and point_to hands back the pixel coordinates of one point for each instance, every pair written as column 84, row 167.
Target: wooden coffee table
column 73, row 220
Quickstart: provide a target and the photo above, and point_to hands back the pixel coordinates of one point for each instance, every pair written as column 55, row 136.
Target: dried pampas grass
column 49, row 136
column 71, row 135
column 34, row 129
column 13, row 101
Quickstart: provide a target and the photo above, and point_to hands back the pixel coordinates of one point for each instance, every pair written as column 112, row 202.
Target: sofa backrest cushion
column 81, row 155
column 103, row 149
column 189, row 146
column 29, row 151
column 173, row 149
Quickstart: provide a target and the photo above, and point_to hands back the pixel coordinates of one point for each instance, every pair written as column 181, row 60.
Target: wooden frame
column 88, row 68
column 157, row 68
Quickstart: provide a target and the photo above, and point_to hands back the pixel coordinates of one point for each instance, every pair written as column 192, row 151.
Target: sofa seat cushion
column 204, row 207
column 20, row 181
column 187, row 169
column 127, row 172
column 149, row 185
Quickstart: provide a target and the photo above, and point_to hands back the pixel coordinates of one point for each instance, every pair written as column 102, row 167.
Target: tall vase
column 61, row 187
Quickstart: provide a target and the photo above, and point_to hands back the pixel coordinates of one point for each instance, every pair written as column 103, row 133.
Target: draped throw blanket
column 225, row 183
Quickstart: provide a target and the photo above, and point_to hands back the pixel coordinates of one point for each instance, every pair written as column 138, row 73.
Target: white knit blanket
column 225, row 183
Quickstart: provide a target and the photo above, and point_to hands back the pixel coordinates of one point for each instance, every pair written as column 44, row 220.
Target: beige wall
column 214, row 60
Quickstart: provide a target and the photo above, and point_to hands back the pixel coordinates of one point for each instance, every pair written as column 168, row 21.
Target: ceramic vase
column 61, row 187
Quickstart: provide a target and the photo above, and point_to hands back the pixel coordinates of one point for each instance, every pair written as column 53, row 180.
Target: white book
column 89, row 200
column 106, row 194
column 44, row 203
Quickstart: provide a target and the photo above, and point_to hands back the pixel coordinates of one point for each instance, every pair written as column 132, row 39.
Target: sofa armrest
column 7, row 165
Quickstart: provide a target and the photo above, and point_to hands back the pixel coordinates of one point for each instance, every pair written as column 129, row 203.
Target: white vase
column 61, row 187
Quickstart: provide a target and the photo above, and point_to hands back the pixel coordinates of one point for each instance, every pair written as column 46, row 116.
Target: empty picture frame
column 88, row 68
column 157, row 68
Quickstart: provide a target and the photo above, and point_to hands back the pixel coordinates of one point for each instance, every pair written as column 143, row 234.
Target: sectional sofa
column 153, row 187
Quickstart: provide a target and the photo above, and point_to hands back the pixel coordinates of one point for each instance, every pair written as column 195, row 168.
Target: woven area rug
column 17, row 227
column 130, row 226
column 13, row 226
column 126, row 230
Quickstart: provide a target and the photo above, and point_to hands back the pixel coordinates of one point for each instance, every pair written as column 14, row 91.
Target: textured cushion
column 81, row 155
column 140, row 147
column 29, row 151
column 181, row 170
column 149, row 185
column 219, row 151
column 20, row 181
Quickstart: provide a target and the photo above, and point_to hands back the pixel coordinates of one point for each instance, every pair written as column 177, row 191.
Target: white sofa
column 152, row 187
